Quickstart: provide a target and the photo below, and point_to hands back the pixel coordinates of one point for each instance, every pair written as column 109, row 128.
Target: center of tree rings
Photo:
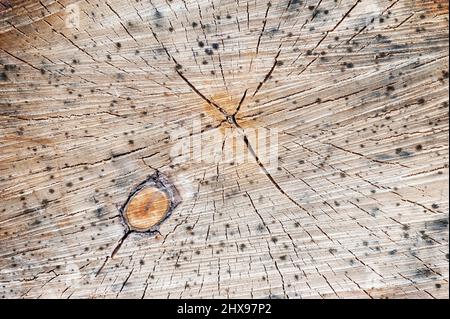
column 150, row 204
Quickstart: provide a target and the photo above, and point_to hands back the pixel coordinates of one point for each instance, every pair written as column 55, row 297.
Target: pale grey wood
column 357, row 89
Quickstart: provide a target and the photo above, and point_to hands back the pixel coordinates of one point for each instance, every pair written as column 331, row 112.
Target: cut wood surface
column 97, row 96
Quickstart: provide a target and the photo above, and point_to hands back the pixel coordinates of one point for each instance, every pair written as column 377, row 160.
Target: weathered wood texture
column 91, row 91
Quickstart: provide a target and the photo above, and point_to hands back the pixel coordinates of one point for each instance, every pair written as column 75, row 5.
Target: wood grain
column 95, row 96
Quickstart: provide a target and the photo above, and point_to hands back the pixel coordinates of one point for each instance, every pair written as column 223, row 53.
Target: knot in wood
column 150, row 204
